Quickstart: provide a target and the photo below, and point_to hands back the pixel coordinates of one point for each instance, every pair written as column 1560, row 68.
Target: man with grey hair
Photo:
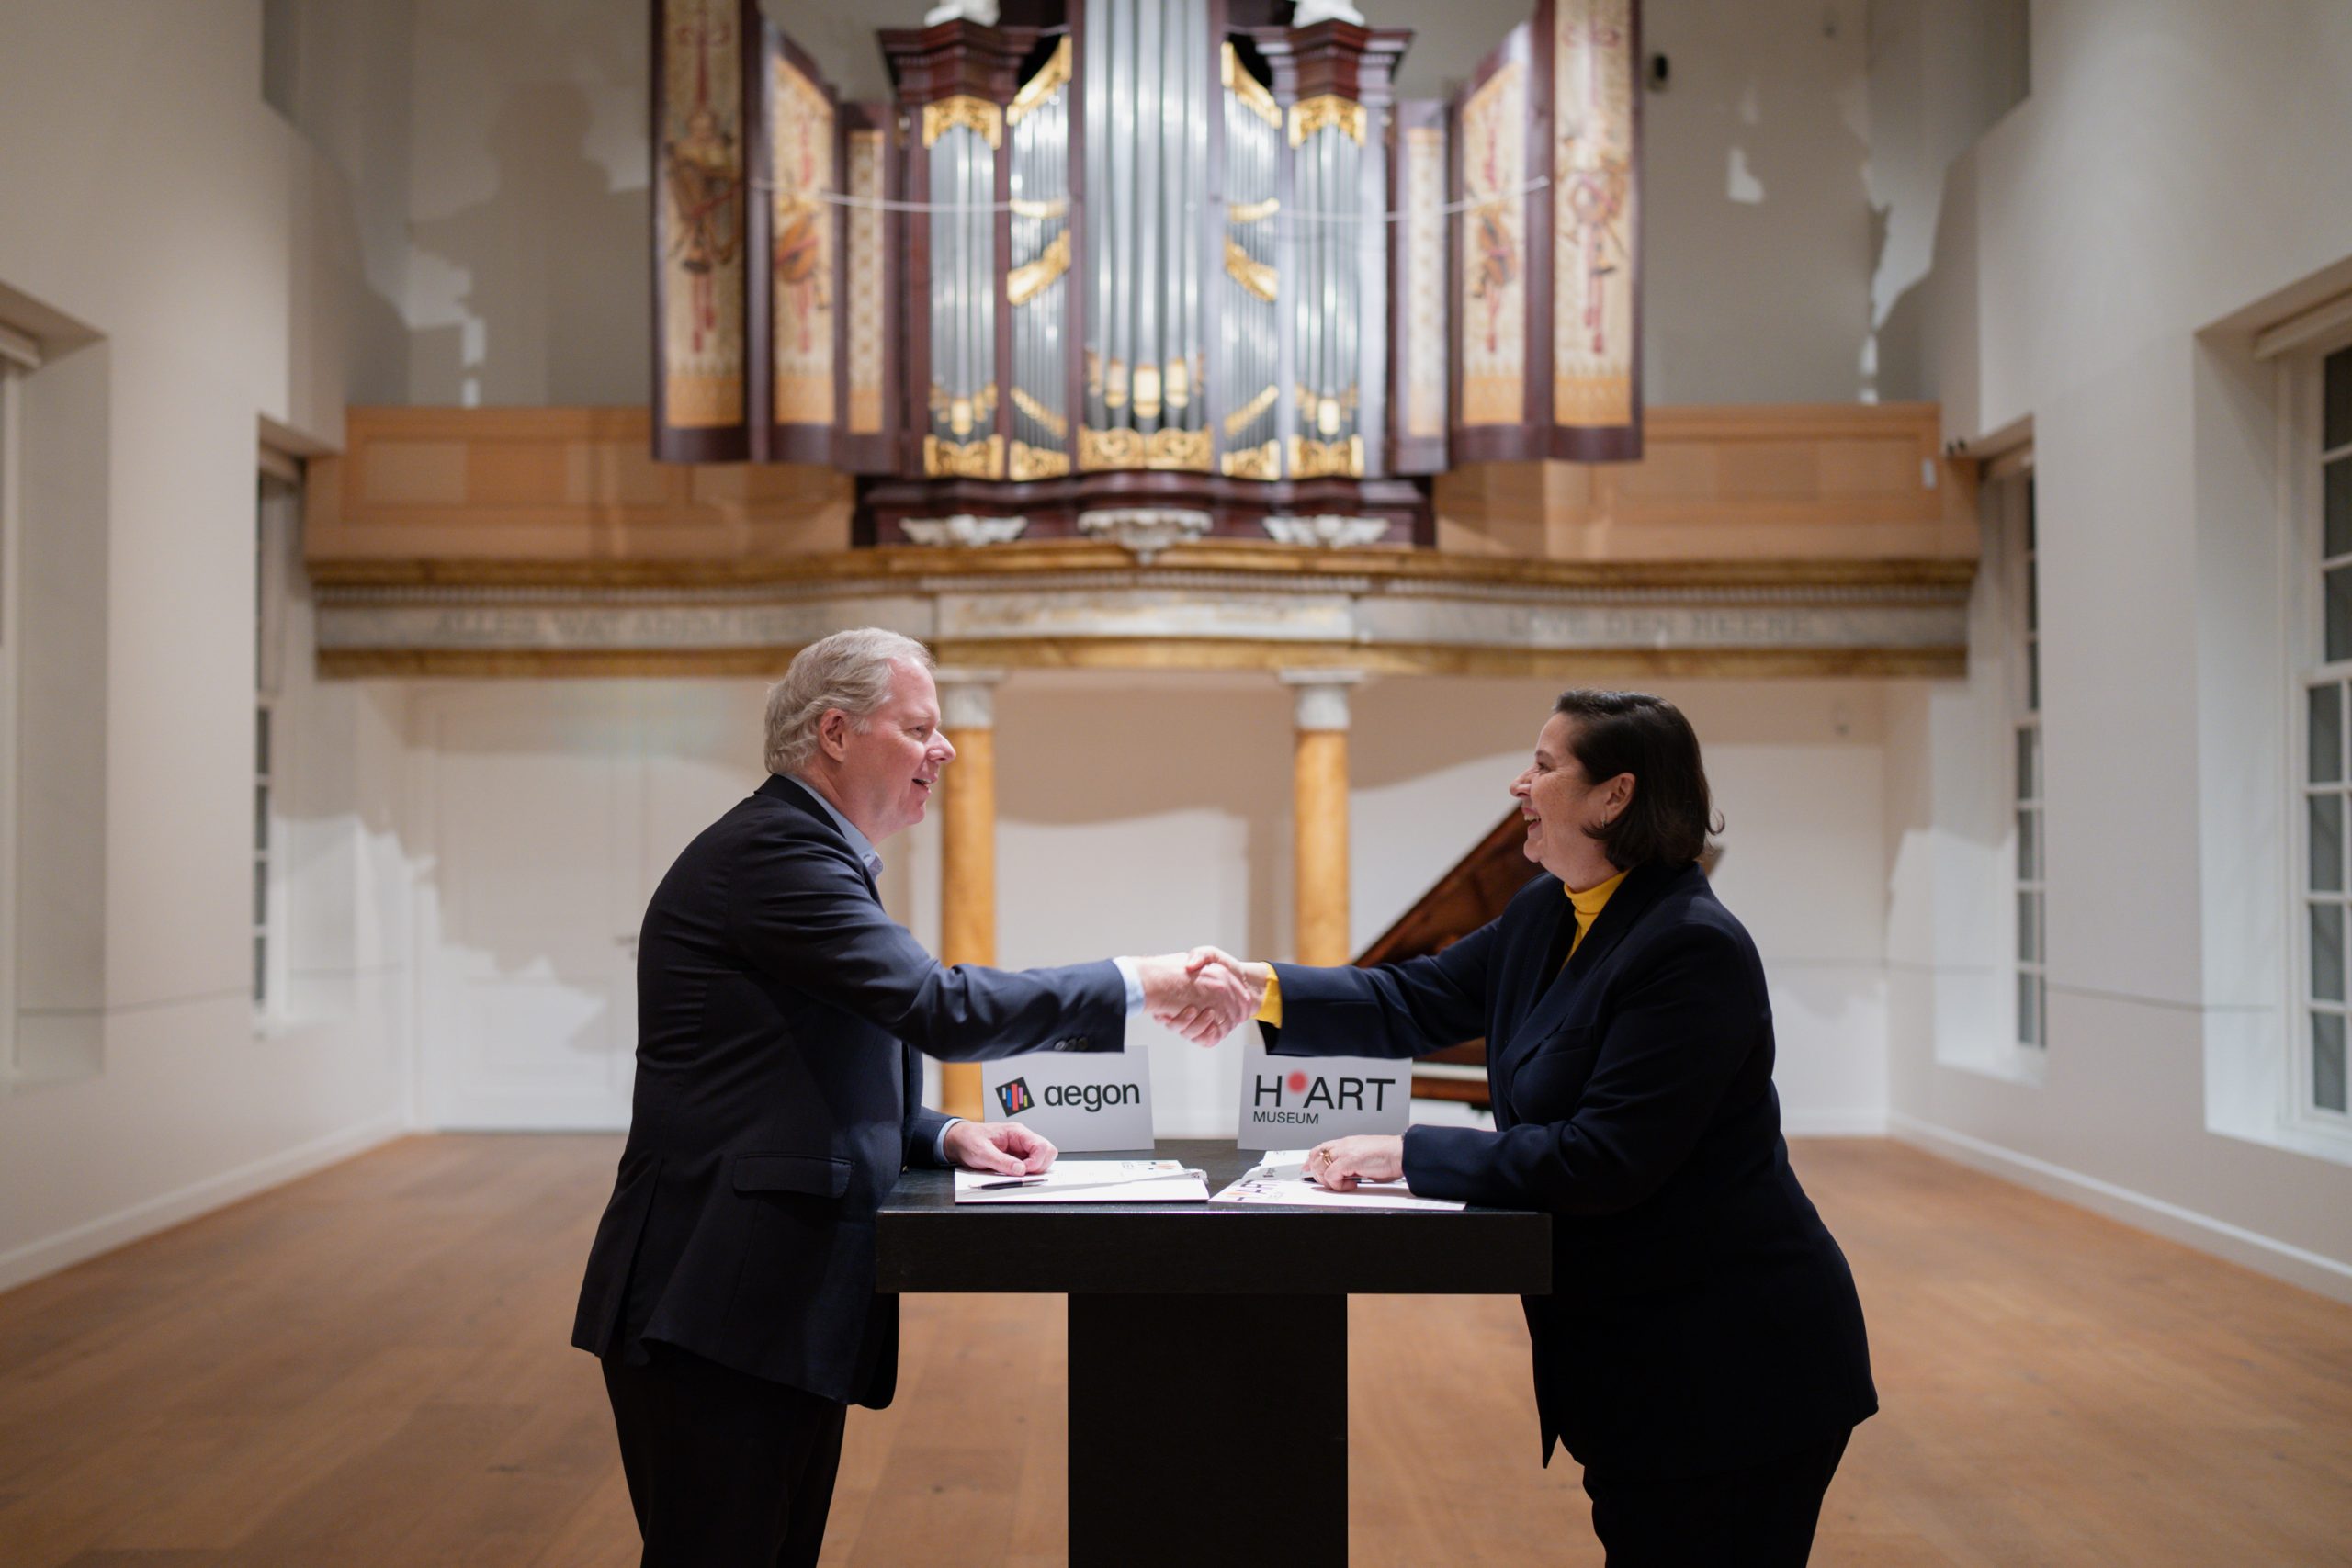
column 729, row 1292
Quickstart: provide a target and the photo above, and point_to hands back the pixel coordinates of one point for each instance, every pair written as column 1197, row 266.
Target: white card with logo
column 1079, row 1099
column 1289, row 1102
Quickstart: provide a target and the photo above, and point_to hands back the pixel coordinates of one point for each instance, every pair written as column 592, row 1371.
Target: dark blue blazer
column 1701, row 1318
column 779, row 1009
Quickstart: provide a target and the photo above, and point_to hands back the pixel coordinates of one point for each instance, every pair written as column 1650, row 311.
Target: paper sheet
column 1280, row 1178
column 1089, row 1181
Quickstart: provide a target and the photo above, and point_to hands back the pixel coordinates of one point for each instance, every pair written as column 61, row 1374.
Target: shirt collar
column 859, row 844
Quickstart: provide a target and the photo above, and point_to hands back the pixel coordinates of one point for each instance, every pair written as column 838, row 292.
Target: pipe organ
column 1156, row 260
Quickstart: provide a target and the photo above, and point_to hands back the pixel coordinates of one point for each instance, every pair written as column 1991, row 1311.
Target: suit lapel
column 794, row 795
column 1555, row 989
column 1627, row 905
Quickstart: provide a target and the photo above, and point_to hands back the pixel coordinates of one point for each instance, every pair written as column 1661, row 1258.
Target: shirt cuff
column 1270, row 1010
column 939, row 1144
column 1134, row 977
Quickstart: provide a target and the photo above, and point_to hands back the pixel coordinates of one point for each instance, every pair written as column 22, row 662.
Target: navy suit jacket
column 1701, row 1318
column 779, row 1009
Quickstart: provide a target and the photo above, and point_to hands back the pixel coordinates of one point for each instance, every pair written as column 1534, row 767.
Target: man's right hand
column 1253, row 978
column 1199, row 999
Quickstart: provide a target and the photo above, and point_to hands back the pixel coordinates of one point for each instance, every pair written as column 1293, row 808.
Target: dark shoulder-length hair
column 1671, row 813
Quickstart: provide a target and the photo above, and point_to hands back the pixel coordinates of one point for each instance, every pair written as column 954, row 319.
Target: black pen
column 1089, row 1186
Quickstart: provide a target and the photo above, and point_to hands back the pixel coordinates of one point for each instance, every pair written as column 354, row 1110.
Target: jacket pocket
column 1547, row 1083
column 1565, row 1042
column 819, row 1176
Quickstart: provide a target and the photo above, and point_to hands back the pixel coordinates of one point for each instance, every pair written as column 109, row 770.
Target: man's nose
column 946, row 749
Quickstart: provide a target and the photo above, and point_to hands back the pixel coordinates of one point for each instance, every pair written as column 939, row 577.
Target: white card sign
column 1079, row 1100
column 1290, row 1102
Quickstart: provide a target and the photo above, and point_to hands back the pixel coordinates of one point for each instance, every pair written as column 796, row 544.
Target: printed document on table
column 1280, row 1178
column 1089, row 1181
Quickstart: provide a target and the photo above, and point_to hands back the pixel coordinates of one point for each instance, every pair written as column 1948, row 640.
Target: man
column 730, row 1291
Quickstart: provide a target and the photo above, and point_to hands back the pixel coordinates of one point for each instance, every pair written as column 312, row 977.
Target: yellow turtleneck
column 1588, row 903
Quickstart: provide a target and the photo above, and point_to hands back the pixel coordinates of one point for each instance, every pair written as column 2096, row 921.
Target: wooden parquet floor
column 368, row 1367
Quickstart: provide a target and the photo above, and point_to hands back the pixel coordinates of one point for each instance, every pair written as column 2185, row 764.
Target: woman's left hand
column 1341, row 1164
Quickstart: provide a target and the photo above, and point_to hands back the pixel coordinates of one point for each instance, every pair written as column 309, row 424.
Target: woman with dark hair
column 1701, row 1352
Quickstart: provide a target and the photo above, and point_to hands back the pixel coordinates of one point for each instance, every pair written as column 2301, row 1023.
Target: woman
column 1701, row 1351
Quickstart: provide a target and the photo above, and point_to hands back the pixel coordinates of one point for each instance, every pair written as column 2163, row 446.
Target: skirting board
column 66, row 1248
column 2266, row 1255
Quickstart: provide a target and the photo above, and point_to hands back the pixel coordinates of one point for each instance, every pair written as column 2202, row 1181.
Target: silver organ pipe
column 1369, row 238
column 1146, row 180
column 1037, row 288
column 962, row 137
column 1149, row 140
column 1118, row 259
column 1095, row 210
column 1248, row 283
column 1340, row 247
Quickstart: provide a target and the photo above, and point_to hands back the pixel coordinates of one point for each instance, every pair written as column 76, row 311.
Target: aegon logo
column 1015, row 1097
column 1316, row 1093
column 1092, row 1096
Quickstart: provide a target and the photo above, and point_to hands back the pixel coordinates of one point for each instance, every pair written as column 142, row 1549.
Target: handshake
column 1204, row 995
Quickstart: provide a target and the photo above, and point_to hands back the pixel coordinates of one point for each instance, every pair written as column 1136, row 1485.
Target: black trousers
column 1759, row 1518
column 725, row 1470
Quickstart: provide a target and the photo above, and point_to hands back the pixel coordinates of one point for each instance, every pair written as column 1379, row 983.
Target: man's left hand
column 1006, row 1148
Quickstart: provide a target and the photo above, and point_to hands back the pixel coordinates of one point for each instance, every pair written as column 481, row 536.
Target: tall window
column 2326, row 776
column 274, row 537
column 2025, row 596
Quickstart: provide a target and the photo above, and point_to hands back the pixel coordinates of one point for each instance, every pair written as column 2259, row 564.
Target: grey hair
column 849, row 671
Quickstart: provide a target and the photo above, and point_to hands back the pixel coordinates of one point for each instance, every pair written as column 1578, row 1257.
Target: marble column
column 967, row 849
column 1319, row 813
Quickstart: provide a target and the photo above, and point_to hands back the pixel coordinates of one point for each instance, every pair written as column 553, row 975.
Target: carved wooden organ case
column 1146, row 256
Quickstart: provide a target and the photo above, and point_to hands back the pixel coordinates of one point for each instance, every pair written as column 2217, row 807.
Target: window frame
column 2022, row 560
column 277, row 492
column 2306, row 457
column 18, row 358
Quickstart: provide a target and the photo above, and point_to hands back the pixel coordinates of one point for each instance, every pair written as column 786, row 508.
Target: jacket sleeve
column 1678, row 1034
column 924, row 1127
column 804, row 913
column 1397, row 1009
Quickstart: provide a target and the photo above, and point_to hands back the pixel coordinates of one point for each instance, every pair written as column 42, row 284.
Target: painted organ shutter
column 703, row 51
column 1546, row 288
column 797, row 231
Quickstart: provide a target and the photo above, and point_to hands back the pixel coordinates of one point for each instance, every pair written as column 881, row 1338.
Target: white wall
column 2176, row 165
column 529, row 281
column 1941, row 72
column 1136, row 814
column 1757, row 283
column 149, row 195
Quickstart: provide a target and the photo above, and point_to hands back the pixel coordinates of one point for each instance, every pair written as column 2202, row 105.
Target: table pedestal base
column 1208, row 1430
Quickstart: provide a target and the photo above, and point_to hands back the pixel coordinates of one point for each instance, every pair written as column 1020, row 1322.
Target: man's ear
column 832, row 734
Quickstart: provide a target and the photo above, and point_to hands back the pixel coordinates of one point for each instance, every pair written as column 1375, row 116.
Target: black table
column 1197, row 1334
